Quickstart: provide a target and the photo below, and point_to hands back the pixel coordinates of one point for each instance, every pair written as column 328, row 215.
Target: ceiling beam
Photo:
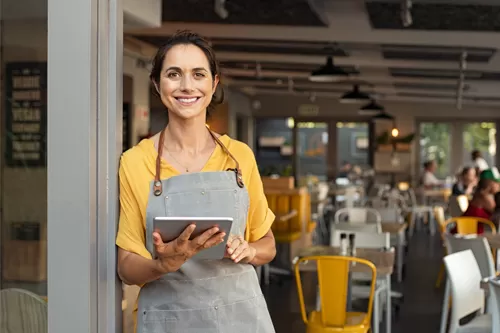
column 361, row 61
column 352, row 34
column 255, row 92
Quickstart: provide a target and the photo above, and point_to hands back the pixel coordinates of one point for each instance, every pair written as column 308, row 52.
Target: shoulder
column 241, row 152
column 137, row 160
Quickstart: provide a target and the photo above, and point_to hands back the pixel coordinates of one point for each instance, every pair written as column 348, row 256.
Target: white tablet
column 171, row 227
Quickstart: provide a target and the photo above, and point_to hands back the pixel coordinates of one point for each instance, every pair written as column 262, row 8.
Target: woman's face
column 186, row 84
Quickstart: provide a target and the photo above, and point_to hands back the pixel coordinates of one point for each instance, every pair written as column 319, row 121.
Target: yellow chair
column 467, row 225
column 333, row 280
column 440, row 219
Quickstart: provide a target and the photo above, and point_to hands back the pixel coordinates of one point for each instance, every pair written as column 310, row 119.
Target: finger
column 184, row 236
column 245, row 253
column 157, row 241
column 201, row 239
column 214, row 240
column 234, row 245
column 239, row 250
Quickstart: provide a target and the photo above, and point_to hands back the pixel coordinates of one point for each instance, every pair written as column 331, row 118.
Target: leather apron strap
column 158, row 186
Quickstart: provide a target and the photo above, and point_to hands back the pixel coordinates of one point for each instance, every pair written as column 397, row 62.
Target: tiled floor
column 420, row 312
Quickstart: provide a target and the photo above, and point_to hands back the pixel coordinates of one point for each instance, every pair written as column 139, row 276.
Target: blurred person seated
column 482, row 203
column 345, row 169
column 478, row 161
column 466, row 183
column 495, row 217
column 429, row 180
column 492, row 174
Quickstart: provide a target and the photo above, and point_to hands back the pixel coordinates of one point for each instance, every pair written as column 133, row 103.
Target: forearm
column 136, row 270
column 265, row 250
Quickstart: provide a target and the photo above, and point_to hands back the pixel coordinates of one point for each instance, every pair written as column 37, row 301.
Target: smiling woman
column 187, row 170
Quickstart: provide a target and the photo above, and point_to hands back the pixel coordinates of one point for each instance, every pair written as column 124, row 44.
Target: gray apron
column 205, row 296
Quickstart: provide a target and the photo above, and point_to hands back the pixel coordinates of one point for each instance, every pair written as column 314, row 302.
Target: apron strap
column 157, row 185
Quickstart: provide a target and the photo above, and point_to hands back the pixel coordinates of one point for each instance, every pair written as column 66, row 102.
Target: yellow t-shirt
column 137, row 170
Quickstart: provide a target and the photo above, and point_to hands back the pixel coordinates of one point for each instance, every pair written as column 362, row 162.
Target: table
column 383, row 261
column 493, row 239
column 397, row 228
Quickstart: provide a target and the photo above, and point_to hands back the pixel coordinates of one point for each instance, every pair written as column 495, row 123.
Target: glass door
column 352, row 148
column 312, row 148
column 480, row 137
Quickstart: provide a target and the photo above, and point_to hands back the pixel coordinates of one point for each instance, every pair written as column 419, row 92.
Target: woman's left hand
column 239, row 250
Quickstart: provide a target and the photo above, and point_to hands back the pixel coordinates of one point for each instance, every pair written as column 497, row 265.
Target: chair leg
column 440, row 277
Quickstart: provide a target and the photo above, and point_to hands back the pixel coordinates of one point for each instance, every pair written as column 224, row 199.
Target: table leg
column 400, row 255
column 444, row 312
column 388, row 311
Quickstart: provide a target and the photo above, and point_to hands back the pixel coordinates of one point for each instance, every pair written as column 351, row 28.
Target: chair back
column 479, row 247
column 440, row 218
column 22, row 312
column 333, row 278
column 465, row 277
column 458, row 205
column 367, row 240
column 388, row 214
column 494, row 288
column 357, row 215
column 467, row 225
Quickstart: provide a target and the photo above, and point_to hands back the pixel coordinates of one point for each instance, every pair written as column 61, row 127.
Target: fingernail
column 233, row 257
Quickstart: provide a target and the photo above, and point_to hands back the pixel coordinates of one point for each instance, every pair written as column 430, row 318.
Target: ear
column 215, row 83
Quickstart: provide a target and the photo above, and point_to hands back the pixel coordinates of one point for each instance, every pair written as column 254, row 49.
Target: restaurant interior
column 374, row 126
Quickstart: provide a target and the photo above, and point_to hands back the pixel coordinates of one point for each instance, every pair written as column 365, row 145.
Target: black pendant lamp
column 371, row 109
column 354, row 96
column 328, row 73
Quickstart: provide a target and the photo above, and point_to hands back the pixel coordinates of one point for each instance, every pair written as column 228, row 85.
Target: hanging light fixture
column 354, row 96
column 371, row 109
column 328, row 73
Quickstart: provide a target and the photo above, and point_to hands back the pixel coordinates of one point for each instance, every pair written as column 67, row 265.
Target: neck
column 190, row 135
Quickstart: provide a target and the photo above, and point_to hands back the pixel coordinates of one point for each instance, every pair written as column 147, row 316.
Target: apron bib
column 203, row 296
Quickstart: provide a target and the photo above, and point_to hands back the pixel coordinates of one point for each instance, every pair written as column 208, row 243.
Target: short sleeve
column 131, row 232
column 260, row 217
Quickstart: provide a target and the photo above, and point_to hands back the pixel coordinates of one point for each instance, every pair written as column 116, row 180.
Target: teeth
column 188, row 100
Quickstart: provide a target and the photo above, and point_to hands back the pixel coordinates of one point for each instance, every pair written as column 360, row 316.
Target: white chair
column 484, row 259
column 369, row 240
column 468, row 297
column 357, row 215
column 22, row 311
column 479, row 247
column 494, row 288
column 390, row 214
column 359, row 227
column 418, row 212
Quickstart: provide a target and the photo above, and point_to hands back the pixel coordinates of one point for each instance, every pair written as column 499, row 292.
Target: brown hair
column 186, row 37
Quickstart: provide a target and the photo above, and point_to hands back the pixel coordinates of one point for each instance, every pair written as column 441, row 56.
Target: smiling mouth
column 187, row 100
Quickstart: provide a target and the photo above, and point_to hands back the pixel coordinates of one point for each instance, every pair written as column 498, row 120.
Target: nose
column 186, row 83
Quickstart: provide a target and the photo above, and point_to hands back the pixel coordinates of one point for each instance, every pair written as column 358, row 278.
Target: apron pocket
column 250, row 316
column 179, row 321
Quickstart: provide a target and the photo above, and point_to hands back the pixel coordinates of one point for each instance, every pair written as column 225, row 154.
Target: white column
column 84, row 141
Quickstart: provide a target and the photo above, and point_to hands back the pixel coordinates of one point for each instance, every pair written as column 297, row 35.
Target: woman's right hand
column 173, row 254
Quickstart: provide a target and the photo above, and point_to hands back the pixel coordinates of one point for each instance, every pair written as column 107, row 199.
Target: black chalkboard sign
column 26, row 114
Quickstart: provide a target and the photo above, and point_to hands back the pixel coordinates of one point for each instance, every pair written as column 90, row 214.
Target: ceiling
column 271, row 47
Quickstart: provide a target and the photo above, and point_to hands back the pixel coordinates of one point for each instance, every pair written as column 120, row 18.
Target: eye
column 199, row 74
column 173, row 75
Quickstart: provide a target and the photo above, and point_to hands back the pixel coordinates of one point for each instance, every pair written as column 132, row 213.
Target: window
column 435, row 145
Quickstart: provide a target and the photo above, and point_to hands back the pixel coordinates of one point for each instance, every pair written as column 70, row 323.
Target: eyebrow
column 194, row 69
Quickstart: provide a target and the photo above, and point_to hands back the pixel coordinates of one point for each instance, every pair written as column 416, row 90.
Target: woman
column 187, row 170
column 466, row 182
column 482, row 203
